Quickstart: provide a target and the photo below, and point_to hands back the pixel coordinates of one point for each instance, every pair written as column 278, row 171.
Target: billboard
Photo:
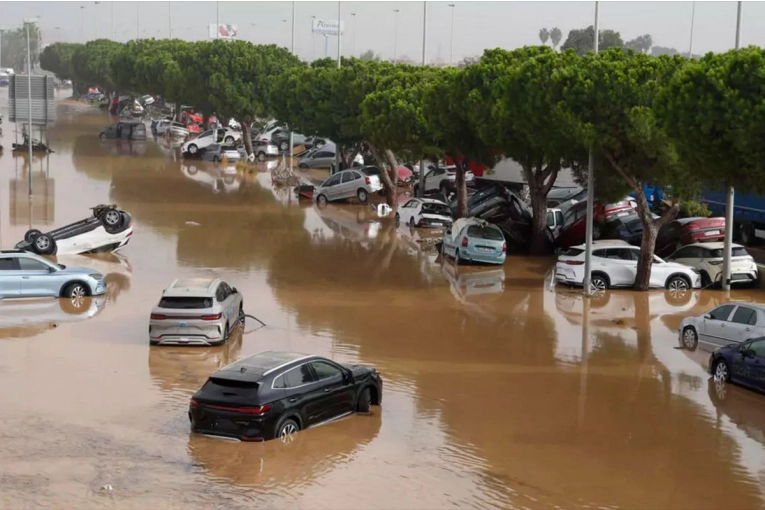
column 43, row 107
column 222, row 31
column 327, row 26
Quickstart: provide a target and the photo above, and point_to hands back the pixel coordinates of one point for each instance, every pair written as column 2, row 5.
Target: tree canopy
column 57, row 58
column 91, row 63
column 581, row 40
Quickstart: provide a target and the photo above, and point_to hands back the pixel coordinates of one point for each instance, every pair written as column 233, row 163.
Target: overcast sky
column 477, row 25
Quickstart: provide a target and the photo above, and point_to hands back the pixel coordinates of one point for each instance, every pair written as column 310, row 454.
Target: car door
column 330, row 187
column 204, row 140
column 713, row 327
column 689, row 256
column 433, row 179
column 303, row 393
column 753, row 365
column 339, row 392
column 406, row 211
column 225, row 298
column 660, row 271
column 10, row 278
column 347, row 187
column 36, row 279
column 322, row 159
column 741, row 324
column 626, row 260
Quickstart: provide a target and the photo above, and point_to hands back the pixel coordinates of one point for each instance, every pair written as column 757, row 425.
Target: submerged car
column 726, row 324
column 196, row 311
column 108, row 229
column 26, row 275
column 741, row 364
column 347, row 184
column 474, row 240
column 124, row 130
column 276, row 394
column 217, row 152
column 210, row 137
column 424, row 212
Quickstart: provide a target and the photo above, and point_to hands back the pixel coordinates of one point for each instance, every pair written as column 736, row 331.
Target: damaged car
column 474, row 240
column 108, row 229
column 424, row 212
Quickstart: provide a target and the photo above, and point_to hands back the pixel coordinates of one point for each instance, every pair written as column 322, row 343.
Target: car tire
column 286, row 428
column 411, row 221
column 112, row 221
column 241, row 314
column 44, row 245
column 678, row 283
column 226, row 333
column 75, row 290
column 193, row 149
column 321, row 201
column 362, row 195
column 261, row 156
column 31, row 235
column 599, row 282
column 398, row 220
column 721, row 371
column 457, row 259
column 690, row 338
column 365, row 401
column 216, row 159
column 706, row 281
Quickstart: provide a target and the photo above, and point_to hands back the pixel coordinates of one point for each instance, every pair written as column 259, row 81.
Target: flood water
column 498, row 393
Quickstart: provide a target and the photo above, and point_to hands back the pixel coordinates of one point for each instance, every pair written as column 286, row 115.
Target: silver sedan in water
column 26, row 275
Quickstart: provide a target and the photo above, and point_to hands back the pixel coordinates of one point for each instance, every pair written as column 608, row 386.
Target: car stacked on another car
column 211, row 137
column 442, row 178
column 424, row 212
column 707, row 258
column 276, row 394
column 614, row 264
column 347, row 184
column 678, row 233
column 26, row 275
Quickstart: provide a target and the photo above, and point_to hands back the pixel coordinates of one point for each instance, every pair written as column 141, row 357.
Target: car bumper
column 99, row 288
column 171, row 332
column 486, row 258
column 229, row 424
column 739, row 277
column 430, row 223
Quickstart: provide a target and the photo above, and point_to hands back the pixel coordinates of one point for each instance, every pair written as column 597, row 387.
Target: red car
column 574, row 229
column 474, row 167
column 191, row 117
column 193, row 128
column 678, row 233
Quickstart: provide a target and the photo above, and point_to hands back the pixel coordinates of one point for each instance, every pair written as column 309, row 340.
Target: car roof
column 718, row 245
column 255, row 367
column 431, row 201
column 605, row 243
column 192, row 287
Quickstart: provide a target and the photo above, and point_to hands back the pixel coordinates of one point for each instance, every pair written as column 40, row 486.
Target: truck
column 748, row 214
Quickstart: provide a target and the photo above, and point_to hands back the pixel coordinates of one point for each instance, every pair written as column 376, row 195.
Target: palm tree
column 544, row 35
column 556, row 35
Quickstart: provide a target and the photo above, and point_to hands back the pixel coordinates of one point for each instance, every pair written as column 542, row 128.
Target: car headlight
column 96, row 276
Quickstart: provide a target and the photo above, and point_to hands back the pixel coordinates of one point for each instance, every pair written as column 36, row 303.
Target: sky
column 477, row 25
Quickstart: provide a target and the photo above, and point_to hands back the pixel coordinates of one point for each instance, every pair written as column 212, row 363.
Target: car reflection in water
column 281, row 466
column 743, row 407
column 350, row 222
column 470, row 284
column 22, row 318
column 115, row 268
column 421, row 244
column 216, row 178
column 187, row 368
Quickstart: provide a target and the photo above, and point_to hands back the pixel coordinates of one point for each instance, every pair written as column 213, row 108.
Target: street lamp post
column 353, row 41
column 82, row 33
column 590, row 193
column 339, row 41
column 395, row 39
column 1, row 46
column 217, row 19
column 690, row 46
column 424, row 61
column 313, row 41
column 451, row 38
column 292, row 134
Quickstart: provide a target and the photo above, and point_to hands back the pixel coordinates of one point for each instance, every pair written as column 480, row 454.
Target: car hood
column 677, row 265
column 77, row 270
column 439, row 217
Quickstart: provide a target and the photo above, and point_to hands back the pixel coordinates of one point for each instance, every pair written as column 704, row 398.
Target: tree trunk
column 459, row 183
column 388, row 186
column 393, row 178
column 342, row 163
column 247, row 136
column 647, row 245
column 540, row 180
column 354, row 153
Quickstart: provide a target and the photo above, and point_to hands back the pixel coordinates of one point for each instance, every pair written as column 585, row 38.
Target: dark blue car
column 741, row 363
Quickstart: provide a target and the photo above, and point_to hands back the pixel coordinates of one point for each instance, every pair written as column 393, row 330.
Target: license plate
column 712, row 233
column 623, row 214
column 183, row 324
column 485, row 249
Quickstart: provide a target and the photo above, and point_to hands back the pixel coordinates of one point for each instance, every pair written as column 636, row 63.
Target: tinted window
column 206, row 133
column 324, row 154
column 596, row 253
column 325, row 370
column 721, row 313
column 744, row 315
column 298, row 376
column 685, row 253
column 758, row 346
column 32, row 265
column 348, row 177
column 575, row 252
column 436, row 209
column 185, row 303
column 7, row 264
column 410, row 203
column 371, row 170
column 735, row 252
column 490, row 233
column 620, row 254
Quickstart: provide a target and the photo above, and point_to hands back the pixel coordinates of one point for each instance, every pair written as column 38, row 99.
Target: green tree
column 91, row 63
column 57, row 59
column 370, row 55
column 581, row 40
column 555, row 36
column 610, row 105
column 14, row 47
column 641, row 43
column 544, row 35
column 150, row 66
column 662, row 50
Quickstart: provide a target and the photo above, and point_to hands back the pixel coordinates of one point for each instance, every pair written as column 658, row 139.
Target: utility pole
column 590, row 193
column 690, row 46
column 112, row 8
column 137, row 21
column 217, row 19
column 29, row 100
column 292, row 135
column 395, row 39
column 1, row 47
column 353, row 41
column 82, row 33
column 169, row 20
column 424, row 60
column 451, row 38
column 727, row 248
column 339, row 37
column 95, row 18
column 313, row 40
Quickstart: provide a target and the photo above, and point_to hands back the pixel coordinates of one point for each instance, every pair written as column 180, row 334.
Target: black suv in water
column 275, row 394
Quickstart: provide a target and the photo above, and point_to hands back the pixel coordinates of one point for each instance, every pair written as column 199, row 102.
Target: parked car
column 108, row 229
column 264, row 149
column 726, row 324
column 678, row 233
column 210, row 137
column 124, row 131
column 276, row 394
column 474, row 240
column 324, row 157
column 574, row 229
column 424, row 212
column 404, row 174
column 147, row 100
column 347, row 184
column 216, row 152
column 569, row 196
column 281, row 138
column 624, row 225
column 614, row 264
column 196, row 311
column 554, row 220
column 740, row 363
column 26, row 275
column 707, row 258
column 177, row 129
column 442, row 178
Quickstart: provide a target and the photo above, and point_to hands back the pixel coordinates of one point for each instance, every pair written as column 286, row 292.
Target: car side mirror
column 234, row 290
column 52, row 269
column 747, row 353
column 348, row 377
column 707, row 316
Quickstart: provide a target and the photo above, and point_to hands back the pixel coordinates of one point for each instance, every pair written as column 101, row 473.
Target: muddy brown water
column 498, row 392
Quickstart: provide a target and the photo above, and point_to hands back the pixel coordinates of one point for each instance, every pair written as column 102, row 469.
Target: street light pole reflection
column 585, row 355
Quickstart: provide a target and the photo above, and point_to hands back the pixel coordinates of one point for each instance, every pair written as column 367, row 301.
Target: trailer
column 748, row 214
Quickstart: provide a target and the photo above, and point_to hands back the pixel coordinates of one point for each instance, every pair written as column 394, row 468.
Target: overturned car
column 107, row 230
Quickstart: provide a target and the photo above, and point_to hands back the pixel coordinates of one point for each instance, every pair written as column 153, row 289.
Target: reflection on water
column 29, row 317
column 499, row 390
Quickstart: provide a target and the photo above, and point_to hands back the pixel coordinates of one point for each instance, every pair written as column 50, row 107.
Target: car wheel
column 193, row 149
column 241, row 314
column 44, row 244
column 31, row 235
column 75, row 291
column 678, row 284
column 362, row 195
column 690, row 338
column 457, row 258
column 303, row 166
column 112, row 217
column 261, row 156
column 365, row 401
column 286, row 430
column 398, row 220
column 229, row 140
column 706, row 281
column 321, row 201
column 722, row 371
column 411, row 221
column 598, row 283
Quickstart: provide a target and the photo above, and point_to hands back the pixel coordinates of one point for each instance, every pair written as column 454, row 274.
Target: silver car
column 26, row 275
column 196, row 311
column 347, row 184
column 216, row 152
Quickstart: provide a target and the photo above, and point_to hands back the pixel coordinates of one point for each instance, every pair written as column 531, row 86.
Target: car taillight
column 193, row 403
column 158, row 317
column 464, row 242
column 367, row 180
column 573, row 262
column 212, row 317
column 222, row 150
column 504, row 247
column 244, row 410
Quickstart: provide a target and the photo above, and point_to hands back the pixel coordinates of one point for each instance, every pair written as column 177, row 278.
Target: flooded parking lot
column 500, row 391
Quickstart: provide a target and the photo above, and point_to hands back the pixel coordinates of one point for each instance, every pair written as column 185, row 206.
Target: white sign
column 327, row 26
column 222, row 31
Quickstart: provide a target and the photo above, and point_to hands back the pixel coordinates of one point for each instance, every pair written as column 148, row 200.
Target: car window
column 721, row 313
column 758, row 346
column 744, row 315
column 735, row 252
column 26, row 264
column 332, row 181
column 409, row 204
column 684, row 253
column 324, row 154
column 595, row 253
column 325, row 371
column 480, row 232
column 348, row 177
column 298, row 376
column 432, row 208
column 620, row 254
column 206, row 133
column 220, row 293
column 7, row 264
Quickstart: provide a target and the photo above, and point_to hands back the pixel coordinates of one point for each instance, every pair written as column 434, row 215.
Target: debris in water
column 192, row 223
column 383, row 210
column 107, row 488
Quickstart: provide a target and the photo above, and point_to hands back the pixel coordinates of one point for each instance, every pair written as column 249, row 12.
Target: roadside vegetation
column 685, row 125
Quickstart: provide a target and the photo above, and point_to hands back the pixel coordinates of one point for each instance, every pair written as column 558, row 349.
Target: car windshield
column 573, row 252
column 481, row 232
column 736, row 252
column 435, row 209
column 185, row 303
